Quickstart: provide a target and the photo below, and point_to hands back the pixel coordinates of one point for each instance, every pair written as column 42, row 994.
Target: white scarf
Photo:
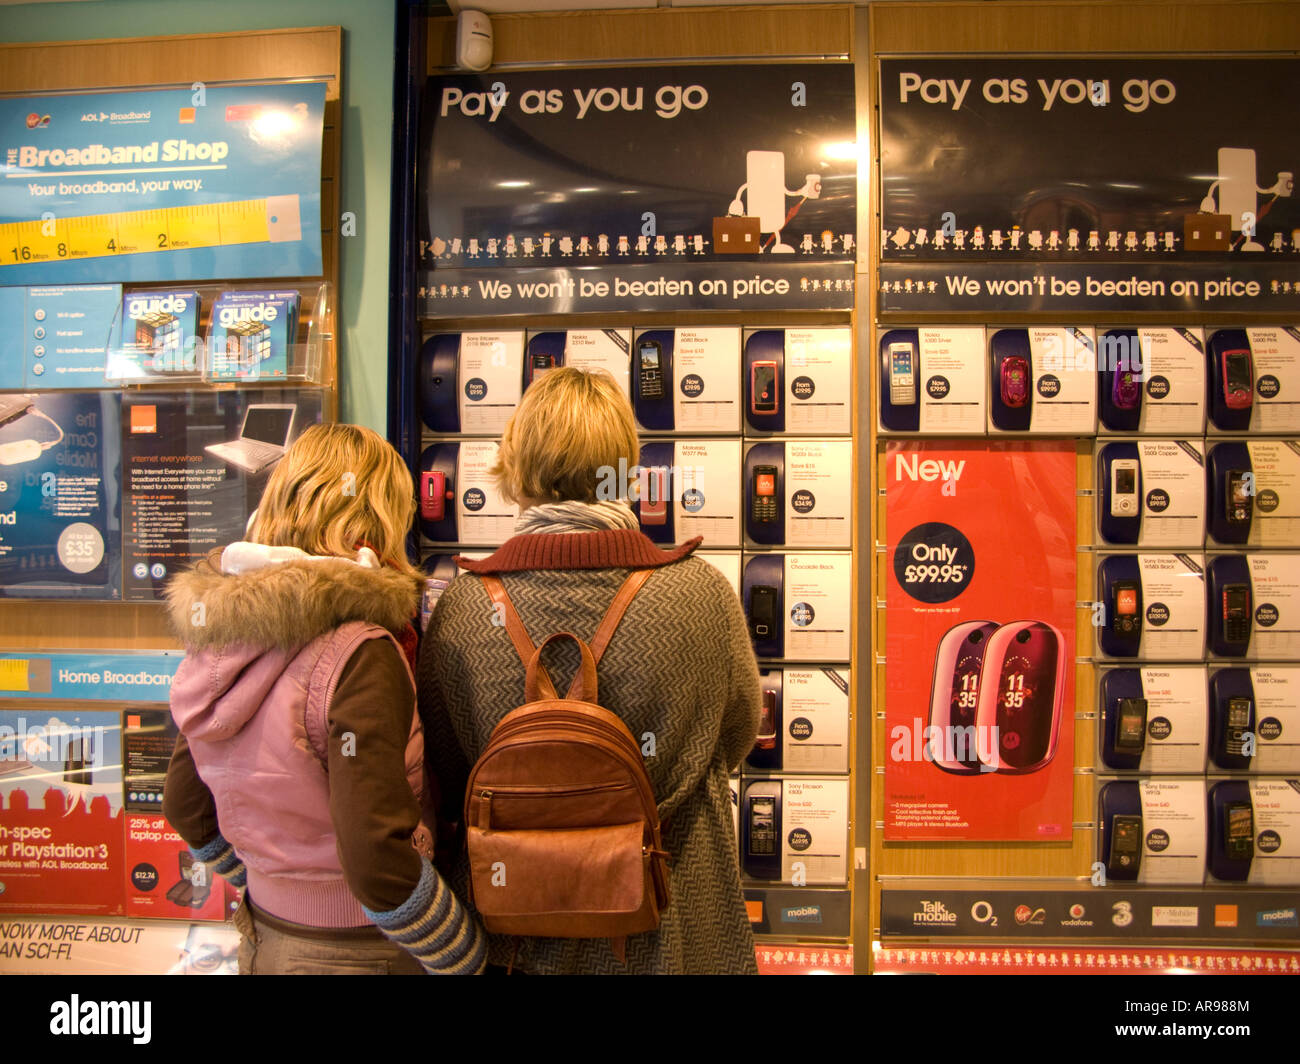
column 574, row 516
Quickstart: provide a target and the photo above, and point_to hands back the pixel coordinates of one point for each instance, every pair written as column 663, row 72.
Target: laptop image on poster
column 263, row 439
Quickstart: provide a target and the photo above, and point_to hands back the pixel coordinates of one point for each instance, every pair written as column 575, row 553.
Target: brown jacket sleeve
column 371, row 803
column 188, row 805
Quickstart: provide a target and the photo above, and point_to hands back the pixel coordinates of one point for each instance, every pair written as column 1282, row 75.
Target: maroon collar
column 613, row 548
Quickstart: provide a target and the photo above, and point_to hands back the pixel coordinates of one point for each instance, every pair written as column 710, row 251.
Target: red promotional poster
column 163, row 881
column 980, row 640
column 60, row 812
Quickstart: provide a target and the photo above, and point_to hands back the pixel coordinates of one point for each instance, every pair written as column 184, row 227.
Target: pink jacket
column 254, row 714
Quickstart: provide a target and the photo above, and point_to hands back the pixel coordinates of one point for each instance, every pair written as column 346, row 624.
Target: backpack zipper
column 548, row 792
column 486, row 796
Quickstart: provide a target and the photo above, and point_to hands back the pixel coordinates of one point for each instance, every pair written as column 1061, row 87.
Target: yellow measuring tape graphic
column 275, row 220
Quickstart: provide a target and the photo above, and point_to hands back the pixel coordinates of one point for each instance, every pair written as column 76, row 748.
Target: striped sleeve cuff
column 225, row 862
column 435, row 928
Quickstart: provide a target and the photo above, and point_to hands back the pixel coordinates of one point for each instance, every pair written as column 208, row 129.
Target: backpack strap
column 614, row 614
column 515, row 629
column 525, row 648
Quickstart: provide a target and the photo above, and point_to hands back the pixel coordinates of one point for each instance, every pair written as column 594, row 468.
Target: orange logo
column 144, row 418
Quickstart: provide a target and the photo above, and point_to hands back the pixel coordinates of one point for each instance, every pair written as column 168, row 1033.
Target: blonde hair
column 338, row 487
column 570, row 432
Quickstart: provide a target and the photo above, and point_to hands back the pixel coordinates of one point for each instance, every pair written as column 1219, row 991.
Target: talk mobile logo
column 804, row 914
column 1278, row 918
column 933, row 912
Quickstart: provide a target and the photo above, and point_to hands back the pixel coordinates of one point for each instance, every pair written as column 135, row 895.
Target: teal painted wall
column 368, row 30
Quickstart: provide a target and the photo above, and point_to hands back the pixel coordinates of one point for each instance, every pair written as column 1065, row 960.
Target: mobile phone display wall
column 1120, row 455
column 746, row 416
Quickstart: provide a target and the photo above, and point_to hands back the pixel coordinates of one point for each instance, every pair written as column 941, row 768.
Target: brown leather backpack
column 562, row 825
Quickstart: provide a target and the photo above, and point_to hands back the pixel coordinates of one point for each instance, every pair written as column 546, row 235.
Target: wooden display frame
column 84, row 66
column 786, row 32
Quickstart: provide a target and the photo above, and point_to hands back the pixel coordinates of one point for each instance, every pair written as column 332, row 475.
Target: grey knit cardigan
column 680, row 667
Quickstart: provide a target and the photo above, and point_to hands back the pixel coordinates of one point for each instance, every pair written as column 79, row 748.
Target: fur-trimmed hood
column 286, row 604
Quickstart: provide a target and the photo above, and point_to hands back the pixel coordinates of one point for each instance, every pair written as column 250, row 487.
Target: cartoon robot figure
column 679, row 244
column 847, row 241
column 1035, row 240
column 938, row 240
column 828, row 242
column 464, row 290
column 492, row 246
column 1072, row 239
column 456, row 245
column 765, row 195
column 930, row 286
column 602, row 244
column 1169, row 240
column 584, row 246
column 816, row 285
column 697, row 243
column 806, row 244
column 839, row 284
column 977, row 238
column 473, row 247
column 921, row 236
column 622, row 245
column 884, row 286
column 1112, row 241
column 900, row 237
column 1054, row 240
column 907, row 285
column 1238, row 193
column 1130, row 241
column 661, row 244
column 959, row 239
column 547, row 241
column 1274, row 287
column 1276, row 243
column 566, row 246
column 1016, row 234
column 643, row 245
column 995, row 239
column 1149, row 241
column 442, row 291
column 528, row 246
column 803, row 284
column 512, row 248
column 1094, row 240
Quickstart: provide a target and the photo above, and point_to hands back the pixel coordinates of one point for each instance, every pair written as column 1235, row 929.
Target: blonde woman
column 679, row 671
column 299, row 765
